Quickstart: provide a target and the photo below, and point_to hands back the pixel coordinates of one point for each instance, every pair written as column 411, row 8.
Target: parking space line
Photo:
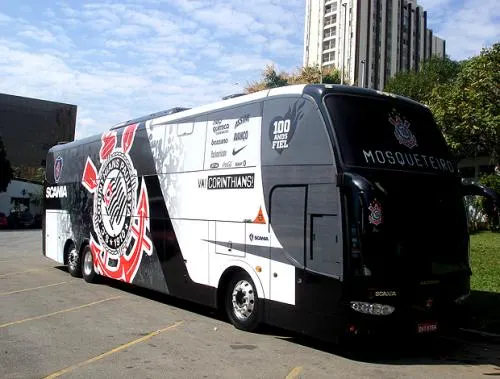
column 115, row 350
column 58, row 312
column 31, row 289
column 294, row 373
column 25, row 271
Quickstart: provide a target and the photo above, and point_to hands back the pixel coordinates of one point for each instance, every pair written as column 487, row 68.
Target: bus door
column 320, row 287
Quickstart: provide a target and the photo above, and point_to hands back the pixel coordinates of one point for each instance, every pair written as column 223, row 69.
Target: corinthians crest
column 402, row 130
column 120, row 216
column 375, row 216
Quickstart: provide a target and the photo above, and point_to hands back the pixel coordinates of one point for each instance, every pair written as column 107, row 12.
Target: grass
column 485, row 262
column 483, row 306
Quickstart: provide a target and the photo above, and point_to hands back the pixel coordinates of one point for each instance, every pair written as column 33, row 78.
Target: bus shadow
column 452, row 350
column 483, row 312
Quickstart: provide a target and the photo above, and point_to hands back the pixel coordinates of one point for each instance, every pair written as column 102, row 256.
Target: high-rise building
column 368, row 40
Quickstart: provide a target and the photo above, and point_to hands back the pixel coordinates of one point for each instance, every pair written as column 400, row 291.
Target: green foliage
column 468, row 108
column 482, row 306
column 309, row 74
column 418, row 85
column 493, row 182
column 485, row 262
column 6, row 172
column 36, row 174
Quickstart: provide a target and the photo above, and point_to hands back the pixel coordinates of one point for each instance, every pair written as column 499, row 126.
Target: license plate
column 427, row 327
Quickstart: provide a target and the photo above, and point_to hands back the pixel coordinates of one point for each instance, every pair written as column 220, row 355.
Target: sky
column 122, row 59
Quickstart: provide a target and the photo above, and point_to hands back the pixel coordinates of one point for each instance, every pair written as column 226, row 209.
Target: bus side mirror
column 480, row 190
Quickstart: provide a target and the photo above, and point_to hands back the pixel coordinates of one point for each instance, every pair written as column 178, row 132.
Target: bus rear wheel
column 242, row 303
column 73, row 259
column 89, row 274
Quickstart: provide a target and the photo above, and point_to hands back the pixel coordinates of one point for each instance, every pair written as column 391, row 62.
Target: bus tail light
column 372, row 308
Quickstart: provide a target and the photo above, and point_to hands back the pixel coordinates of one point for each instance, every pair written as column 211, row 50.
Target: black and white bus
column 322, row 209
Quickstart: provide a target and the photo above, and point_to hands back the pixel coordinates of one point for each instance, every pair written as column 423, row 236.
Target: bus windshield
column 388, row 133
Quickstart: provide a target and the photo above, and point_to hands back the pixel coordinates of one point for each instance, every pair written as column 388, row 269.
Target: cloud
column 467, row 26
column 37, row 34
column 4, row 19
column 118, row 60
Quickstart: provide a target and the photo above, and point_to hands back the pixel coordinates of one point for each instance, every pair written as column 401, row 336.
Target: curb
column 477, row 334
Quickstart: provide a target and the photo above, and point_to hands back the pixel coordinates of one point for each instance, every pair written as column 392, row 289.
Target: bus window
column 388, row 133
column 293, row 133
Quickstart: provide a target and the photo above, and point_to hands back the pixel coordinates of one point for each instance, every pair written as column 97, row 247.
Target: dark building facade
column 29, row 127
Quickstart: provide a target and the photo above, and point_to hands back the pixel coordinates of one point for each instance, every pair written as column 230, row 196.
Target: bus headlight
column 372, row 308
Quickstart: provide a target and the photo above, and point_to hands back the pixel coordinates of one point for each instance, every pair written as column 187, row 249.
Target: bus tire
column 242, row 302
column 73, row 259
column 87, row 267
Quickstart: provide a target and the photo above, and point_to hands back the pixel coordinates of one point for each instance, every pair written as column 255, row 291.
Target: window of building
column 332, row 31
column 486, row 169
column 331, row 20
column 329, row 44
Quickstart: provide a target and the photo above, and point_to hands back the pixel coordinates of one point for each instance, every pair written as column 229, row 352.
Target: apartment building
column 368, row 40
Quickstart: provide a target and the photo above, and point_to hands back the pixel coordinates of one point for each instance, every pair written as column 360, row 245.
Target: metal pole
column 363, row 74
column 344, row 5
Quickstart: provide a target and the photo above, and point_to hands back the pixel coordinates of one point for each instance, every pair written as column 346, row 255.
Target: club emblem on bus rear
column 120, row 219
column 402, row 130
column 58, row 166
column 375, row 216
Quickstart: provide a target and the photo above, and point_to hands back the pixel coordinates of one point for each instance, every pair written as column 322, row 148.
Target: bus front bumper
column 404, row 320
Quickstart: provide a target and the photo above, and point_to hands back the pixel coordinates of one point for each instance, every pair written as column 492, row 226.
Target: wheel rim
column 73, row 259
column 243, row 300
column 87, row 263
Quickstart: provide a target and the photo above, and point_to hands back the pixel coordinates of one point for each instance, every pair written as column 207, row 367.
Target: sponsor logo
column 282, row 128
column 120, row 215
column 221, row 141
column 227, row 164
column 218, row 153
column 214, row 165
column 236, row 151
column 240, row 136
column 402, row 130
column 56, row 192
column 256, row 237
column 375, row 216
column 235, row 181
column 58, row 166
column 219, row 128
column 240, row 164
column 242, row 120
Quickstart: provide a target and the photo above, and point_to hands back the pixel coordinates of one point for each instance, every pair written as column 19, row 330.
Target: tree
column 468, row 108
column 6, row 172
column 270, row 79
column 418, row 85
column 315, row 74
column 303, row 75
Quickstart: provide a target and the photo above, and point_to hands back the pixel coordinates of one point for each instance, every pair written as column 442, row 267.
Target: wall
column 29, row 127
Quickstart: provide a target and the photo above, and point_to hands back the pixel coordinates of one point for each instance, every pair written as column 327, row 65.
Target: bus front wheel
column 242, row 305
column 89, row 275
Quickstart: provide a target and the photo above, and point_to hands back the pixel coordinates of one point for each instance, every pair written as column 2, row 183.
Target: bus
column 330, row 211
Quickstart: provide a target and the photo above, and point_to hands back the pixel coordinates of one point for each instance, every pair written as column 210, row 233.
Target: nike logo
column 237, row 151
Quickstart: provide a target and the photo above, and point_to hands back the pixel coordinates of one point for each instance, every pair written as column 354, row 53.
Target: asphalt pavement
column 53, row 325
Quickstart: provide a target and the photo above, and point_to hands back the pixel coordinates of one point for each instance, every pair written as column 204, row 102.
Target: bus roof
column 178, row 113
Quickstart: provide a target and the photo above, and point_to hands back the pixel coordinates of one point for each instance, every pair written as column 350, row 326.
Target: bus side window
column 293, row 133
